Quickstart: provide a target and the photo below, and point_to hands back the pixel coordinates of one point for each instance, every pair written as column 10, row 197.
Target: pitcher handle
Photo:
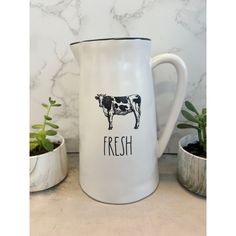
column 181, row 70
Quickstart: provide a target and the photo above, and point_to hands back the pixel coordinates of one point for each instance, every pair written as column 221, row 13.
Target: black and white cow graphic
column 120, row 106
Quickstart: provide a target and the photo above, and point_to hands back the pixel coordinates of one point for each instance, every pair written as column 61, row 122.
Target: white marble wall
column 176, row 26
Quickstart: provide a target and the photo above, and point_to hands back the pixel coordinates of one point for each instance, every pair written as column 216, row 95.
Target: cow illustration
column 120, row 106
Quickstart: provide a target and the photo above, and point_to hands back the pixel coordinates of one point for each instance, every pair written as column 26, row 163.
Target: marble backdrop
column 176, row 26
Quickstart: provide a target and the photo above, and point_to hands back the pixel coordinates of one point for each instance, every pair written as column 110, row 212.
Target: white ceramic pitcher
column 119, row 149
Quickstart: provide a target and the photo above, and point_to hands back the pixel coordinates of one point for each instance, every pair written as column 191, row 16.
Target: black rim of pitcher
column 105, row 39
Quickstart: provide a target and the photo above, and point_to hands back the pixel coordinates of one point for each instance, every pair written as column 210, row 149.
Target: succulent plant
column 197, row 121
column 39, row 141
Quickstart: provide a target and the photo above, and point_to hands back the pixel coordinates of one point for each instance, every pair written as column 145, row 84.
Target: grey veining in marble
column 176, row 26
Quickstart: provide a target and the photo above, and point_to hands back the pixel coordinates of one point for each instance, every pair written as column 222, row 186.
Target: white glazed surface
column 120, row 68
column 191, row 168
column 48, row 169
column 175, row 26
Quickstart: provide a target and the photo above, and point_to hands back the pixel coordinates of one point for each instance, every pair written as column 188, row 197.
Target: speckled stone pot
column 48, row 169
column 191, row 168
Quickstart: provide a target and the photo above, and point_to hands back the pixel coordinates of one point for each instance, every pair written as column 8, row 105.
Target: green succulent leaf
column 33, row 135
column 189, row 116
column 37, row 126
column 200, row 121
column 42, row 133
column 203, row 117
column 56, row 105
column 38, row 138
column 33, row 145
column 51, row 101
column 47, row 117
column 52, row 125
column 47, row 144
column 51, row 132
column 191, row 107
column 44, row 105
column 186, row 126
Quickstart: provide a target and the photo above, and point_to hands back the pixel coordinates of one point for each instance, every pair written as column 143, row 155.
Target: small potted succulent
column 48, row 159
column 192, row 151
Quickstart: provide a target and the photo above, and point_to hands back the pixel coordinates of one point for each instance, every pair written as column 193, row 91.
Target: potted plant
column 192, row 151
column 48, row 159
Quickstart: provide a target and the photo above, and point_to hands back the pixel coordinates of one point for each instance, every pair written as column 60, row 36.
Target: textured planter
column 48, row 169
column 191, row 168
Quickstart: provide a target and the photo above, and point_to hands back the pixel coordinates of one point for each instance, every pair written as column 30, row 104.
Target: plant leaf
column 42, row 133
column 51, row 101
column 191, row 107
column 33, row 135
column 52, row 125
column 56, row 105
column 186, row 126
column 44, row 105
column 33, row 145
column 189, row 116
column 47, row 144
column 37, row 126
column 47, row 117
column 204, row 111
column 203, row 116
column 51, row 132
